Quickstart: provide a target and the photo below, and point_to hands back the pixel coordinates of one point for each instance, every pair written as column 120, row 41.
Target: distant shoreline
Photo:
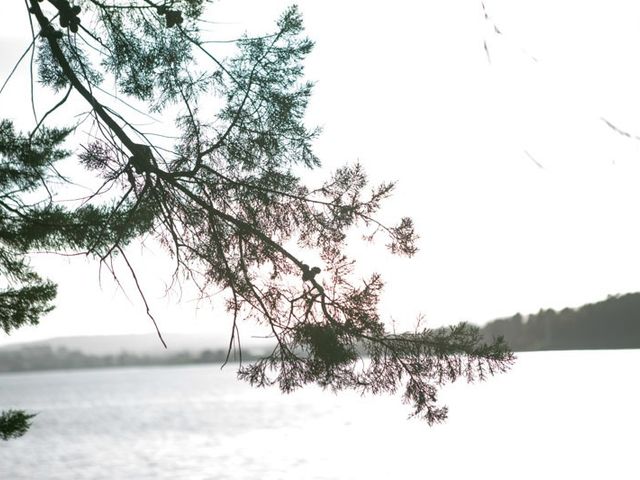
column 31, row 359
column 46, row 358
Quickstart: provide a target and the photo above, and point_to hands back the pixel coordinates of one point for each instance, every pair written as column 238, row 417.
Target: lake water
column 555, row 415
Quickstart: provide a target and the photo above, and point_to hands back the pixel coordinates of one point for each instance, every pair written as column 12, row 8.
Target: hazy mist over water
column 555, row 415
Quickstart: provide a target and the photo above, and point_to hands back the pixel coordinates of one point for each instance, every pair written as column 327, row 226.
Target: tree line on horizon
column 609, row 324
column 45, row 357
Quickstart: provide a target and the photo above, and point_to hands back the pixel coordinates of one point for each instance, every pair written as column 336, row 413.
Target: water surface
column 554, row 415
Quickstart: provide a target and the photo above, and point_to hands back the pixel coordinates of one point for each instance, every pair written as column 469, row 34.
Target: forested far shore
column 609, row 324
column 44, row 357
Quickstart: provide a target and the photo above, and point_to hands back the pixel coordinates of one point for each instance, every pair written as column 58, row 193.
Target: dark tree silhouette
column 14, row 423
column 224, row 195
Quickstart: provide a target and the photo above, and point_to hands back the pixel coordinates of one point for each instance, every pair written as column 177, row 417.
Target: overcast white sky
column 523, row 196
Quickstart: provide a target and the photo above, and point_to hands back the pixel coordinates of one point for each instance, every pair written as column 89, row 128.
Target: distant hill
column 147, row 344
column 609, row 324
column 44, row 357
column 121, row 351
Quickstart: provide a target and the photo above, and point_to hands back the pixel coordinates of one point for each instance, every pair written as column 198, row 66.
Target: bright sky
column 523, row 196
